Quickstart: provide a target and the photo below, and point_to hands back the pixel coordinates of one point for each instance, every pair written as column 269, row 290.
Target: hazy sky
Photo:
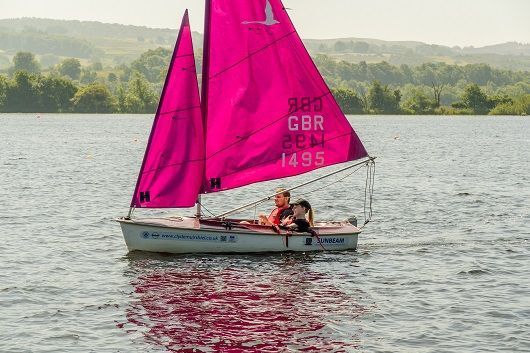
column 447, row 22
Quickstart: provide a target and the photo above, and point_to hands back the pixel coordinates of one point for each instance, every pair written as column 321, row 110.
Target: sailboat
column 264, row 113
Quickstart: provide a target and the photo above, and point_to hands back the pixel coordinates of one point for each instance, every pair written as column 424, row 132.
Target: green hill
column 110, row 44
column 86, row 40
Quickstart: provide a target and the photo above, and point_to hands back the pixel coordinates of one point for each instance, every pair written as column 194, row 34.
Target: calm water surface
column 443, row 266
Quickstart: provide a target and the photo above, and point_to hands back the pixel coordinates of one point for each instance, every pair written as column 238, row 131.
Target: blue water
column 442, row 267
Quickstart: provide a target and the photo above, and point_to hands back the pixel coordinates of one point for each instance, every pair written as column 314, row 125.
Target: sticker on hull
column 326, row 241
column 191, row 237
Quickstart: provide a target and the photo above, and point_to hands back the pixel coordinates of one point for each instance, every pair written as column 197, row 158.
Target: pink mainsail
column 173, row 166
column 269, row 114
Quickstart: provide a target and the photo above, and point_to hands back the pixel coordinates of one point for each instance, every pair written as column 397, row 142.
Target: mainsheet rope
column 369, row 191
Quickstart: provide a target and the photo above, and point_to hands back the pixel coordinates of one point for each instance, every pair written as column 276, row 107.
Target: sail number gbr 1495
column 305, row 133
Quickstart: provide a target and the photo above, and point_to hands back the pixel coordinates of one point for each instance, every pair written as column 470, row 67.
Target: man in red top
column 282, row 210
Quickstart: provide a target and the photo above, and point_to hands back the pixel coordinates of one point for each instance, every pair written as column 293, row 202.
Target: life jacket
column 275, row 216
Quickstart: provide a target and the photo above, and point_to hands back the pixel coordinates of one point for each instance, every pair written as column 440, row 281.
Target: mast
column 198, row 210
column 205, row 69
column 204, row 89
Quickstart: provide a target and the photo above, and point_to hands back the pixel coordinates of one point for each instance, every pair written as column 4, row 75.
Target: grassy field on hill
column 114, row 44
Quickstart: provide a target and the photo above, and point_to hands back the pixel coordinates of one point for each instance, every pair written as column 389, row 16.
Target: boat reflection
column 252, row 304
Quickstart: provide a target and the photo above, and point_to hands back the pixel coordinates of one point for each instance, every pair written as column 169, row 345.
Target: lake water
column 443, row 266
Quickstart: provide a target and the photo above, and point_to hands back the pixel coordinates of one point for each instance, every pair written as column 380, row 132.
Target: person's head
column 301, row 207
column 282, row 197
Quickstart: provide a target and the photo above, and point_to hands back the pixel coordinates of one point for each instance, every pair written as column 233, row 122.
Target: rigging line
column 207, row 210
column 372, row 189
column 368, row 192
column 294, row 187
column 365, row 193
column 256, row 209
column 249, row 55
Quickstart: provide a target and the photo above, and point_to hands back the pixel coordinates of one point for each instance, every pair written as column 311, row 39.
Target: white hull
column 187, row 235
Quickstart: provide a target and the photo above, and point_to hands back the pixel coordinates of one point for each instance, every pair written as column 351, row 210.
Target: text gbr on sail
column 303, row 146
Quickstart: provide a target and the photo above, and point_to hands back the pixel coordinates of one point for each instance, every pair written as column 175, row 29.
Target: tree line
column 442, row 73
column 381, row 99
column 69, row 87
column 362, row 88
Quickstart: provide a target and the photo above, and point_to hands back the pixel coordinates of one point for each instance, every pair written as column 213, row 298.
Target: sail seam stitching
column 180, row 110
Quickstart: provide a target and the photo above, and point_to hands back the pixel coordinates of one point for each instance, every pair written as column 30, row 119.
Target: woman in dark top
column 297, row 221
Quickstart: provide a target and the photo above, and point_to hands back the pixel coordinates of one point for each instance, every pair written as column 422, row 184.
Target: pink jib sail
column 173, row 166
column 269, row 113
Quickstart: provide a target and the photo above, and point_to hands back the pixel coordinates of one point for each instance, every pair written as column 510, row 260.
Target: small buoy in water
column 396, row 137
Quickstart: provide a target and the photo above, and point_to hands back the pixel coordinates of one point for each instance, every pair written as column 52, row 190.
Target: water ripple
column 442, row 267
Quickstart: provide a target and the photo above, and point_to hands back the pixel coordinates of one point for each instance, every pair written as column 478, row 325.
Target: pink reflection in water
column 240, row 309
